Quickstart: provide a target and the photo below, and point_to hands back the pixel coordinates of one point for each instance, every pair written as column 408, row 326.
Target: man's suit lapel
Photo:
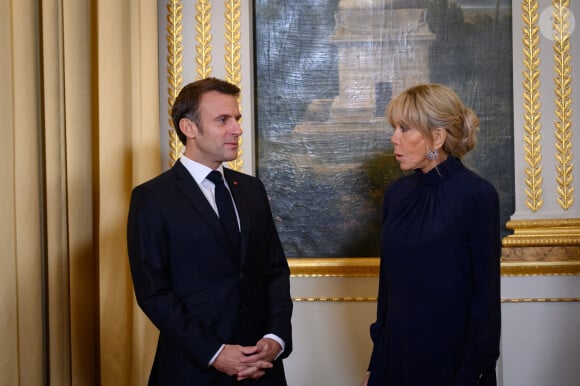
column 243, row 210
column 199, row 203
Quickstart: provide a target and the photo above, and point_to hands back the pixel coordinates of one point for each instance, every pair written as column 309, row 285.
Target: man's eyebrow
column 236, row 117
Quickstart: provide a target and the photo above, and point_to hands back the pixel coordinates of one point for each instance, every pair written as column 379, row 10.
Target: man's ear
column 439, row 137
column 188, row 127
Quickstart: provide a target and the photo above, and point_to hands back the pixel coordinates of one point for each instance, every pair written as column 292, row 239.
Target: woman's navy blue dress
column 438, row 314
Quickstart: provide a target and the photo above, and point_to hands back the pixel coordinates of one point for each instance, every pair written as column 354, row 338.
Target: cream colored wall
column 332, row 314
column 331, row 335
column 540, row 339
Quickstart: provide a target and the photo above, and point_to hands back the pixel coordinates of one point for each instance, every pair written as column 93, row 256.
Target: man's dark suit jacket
column 197, row 293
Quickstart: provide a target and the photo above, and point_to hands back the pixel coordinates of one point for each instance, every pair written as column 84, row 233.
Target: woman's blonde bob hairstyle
column 426, row 107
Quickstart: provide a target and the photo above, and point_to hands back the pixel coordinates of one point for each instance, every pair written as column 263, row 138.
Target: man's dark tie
column 226, row 210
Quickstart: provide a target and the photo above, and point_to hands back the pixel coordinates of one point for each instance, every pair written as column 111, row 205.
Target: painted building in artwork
column 382, row 48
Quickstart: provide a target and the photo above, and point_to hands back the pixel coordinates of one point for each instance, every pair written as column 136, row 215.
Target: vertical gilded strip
column 563, row 103
column 203, row 38
column 174, row 70
column 532, row 112
column 232, row 57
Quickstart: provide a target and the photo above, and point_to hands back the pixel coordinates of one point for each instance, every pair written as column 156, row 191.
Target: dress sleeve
column 377, row 326
column 482, row 347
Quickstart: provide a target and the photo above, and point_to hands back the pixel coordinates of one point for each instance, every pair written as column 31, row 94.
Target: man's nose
column 237, row 128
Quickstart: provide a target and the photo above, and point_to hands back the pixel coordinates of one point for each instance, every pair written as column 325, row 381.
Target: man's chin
column 231, row 156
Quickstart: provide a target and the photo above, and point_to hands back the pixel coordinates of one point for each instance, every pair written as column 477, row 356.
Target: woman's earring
column 432, row 154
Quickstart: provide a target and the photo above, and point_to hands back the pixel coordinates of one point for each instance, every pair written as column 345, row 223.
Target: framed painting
column 325, row 71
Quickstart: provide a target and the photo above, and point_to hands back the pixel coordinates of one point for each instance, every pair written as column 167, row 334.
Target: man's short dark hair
column 186, row 104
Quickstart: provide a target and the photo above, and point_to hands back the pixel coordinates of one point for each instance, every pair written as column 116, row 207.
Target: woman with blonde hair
column 438, row 311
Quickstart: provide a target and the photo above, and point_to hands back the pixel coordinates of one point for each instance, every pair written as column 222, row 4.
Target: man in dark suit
column 220, row 298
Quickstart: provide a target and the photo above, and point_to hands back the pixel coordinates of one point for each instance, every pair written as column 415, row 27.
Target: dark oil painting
column 325, row 71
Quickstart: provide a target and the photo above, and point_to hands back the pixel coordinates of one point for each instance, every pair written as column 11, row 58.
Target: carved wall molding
column 516, row 261
column 542, row 232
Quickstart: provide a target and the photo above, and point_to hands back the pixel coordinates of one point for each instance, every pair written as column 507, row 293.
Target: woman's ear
column 188, row 127
column 439, row 137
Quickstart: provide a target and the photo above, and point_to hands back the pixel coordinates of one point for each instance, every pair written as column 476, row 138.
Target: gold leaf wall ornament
column 174, row 70
column 531, row 96
column 203, row 38
column 233, row 34
column 563, row 103
column 232, row 58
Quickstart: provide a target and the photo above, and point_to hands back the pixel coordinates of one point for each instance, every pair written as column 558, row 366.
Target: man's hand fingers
column 229, row 359
column 248, row 350
column 253, row 358
column 252, row 372
column 266, row 350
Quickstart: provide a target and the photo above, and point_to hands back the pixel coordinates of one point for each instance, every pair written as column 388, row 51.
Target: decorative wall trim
column 232, row 35
column 374, row 299
column 334, row 267
column 516, row 261
column 532, row 106
column 543, row 232
column 174, row 40
column 541, row 300
column 563, row 102
column 334, row 299
column 203, row 38
column 232, row 60
column 540, row 268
